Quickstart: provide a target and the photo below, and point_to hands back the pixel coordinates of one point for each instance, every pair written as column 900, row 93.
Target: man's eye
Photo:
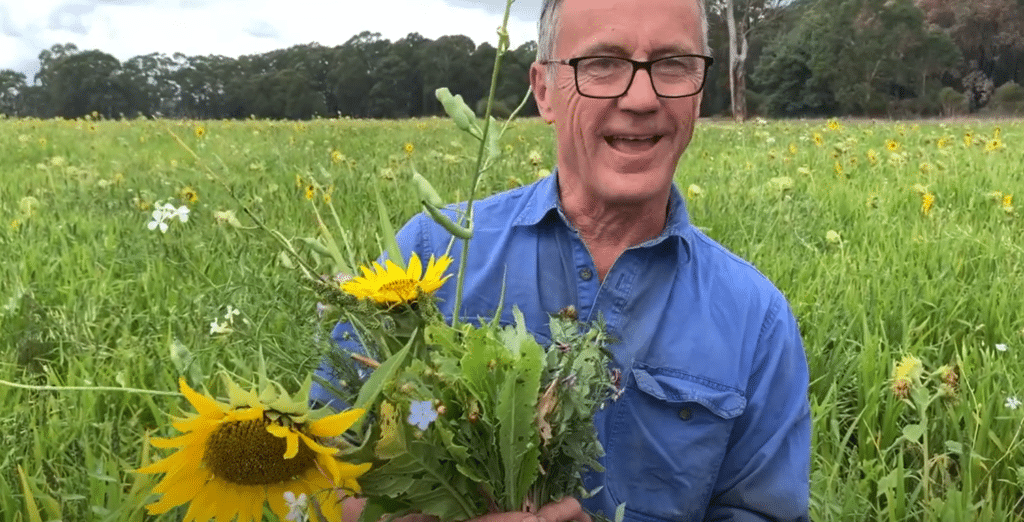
column 602, row 65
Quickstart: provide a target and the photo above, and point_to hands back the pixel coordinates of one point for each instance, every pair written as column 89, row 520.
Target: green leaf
column 913, row 432
column 30, row 502
column 388, row 230
column 373, row 387
column 516, row 409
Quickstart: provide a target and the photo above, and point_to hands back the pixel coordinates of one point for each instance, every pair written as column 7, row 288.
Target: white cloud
column 235, row 27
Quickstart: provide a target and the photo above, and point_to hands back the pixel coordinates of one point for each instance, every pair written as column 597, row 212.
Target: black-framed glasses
column 676, row 76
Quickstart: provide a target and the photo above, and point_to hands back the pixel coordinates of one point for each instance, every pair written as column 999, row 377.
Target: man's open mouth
column 633, row 144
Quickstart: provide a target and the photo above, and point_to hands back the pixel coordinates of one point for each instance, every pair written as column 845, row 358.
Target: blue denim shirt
column 714, row 422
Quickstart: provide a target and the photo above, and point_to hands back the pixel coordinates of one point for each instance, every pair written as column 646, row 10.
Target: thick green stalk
column 468, row 217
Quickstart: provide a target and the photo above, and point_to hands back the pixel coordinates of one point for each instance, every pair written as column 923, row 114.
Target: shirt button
column 684, row 414
column 586, row 274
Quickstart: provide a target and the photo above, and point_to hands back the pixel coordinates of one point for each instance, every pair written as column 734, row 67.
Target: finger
column 564, row 510
column 509, row 517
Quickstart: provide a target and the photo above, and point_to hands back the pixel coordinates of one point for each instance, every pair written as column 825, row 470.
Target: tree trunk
column 737, row 63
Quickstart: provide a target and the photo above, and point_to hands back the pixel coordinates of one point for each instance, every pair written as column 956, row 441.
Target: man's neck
column 608, row 229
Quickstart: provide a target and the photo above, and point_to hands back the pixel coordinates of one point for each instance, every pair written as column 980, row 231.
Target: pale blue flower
column 421, row 414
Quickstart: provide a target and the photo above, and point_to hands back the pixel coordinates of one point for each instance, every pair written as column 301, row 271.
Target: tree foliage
column 787, row 58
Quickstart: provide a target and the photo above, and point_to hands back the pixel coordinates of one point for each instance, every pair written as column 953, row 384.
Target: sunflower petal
column 186, row 492
column 203, row 404
column 316, row 446
column 415, row 270
column 287, row 434
column 334, row 425
column 176, row 442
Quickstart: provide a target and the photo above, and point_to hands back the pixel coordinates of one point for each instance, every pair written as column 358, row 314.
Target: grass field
column 894, row 241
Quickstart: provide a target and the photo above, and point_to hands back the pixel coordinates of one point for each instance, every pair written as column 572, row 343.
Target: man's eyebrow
column 605, row 48
column 612, row 49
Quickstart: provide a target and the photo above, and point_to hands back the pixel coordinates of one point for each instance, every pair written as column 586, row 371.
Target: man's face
column 622, row 150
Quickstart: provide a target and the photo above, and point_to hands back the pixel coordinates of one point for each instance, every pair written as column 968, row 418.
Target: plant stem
column 87, row 388
column 468, row 217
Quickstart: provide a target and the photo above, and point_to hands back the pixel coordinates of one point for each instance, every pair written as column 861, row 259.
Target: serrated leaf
column 515, row 411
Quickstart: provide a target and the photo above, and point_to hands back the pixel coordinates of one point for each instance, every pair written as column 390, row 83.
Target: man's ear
column 541, row 93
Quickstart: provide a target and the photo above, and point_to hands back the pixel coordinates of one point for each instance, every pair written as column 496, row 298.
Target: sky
column 127, row 28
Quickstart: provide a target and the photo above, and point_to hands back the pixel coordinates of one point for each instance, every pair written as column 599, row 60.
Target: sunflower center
column 401, row 288
column 246, row 453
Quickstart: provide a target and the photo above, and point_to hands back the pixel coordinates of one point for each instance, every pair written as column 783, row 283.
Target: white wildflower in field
column 1001, row 347
column 1013, row 402
column 166, row 212
column 833, row 237
column 217, row 328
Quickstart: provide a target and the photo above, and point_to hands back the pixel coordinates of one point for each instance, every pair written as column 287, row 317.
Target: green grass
column 91, row 297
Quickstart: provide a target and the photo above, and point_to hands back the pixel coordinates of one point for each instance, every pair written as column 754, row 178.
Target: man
column 714, row 422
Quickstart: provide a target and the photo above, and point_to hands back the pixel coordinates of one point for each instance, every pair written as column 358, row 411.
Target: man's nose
column 640, row 97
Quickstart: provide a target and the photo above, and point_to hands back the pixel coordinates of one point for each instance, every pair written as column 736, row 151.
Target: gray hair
column 548, row 28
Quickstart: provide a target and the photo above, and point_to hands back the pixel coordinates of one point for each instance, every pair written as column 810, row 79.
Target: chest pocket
column 667, row 437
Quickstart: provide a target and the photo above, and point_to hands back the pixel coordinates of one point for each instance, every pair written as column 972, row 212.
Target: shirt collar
column 545, row 202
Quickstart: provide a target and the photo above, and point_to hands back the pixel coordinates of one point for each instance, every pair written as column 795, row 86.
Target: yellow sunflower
column 234, row 457
column 390, row 285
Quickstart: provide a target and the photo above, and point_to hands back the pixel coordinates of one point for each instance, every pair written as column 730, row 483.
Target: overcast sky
column 127, row 28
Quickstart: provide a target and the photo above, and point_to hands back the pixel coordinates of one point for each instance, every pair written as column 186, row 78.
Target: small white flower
column 159, row 220
column 181, row 213
column 296, row 506
column 1013, row 402
column 217, row 328
column 1001, row 347
column 231, row 313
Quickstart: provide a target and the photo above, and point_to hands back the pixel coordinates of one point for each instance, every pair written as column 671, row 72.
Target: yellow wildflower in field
column 833, row 124
column 993, row 145
column 534, row 157
column 327, row 194
column 408, row 148
column 337, row 157
column 310, row 191
column 925, row 167
column 872, row 157
column 927, row 200
column 942, row 142
column 904, row 374
column 792, row 148
column 1008, row 203
column 968, row 139
column 892, row 145
column 818, row 140
column 233, row 458
column 390, row 285
column 15, row 224
column 199, row 131
column 694, row 191
column 189, row 194
column 838, row 167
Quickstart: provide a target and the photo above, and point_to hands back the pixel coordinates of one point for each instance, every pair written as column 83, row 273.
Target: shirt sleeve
column 765, row 474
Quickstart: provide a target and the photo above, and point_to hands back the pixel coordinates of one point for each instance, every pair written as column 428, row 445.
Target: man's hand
column 562, row 511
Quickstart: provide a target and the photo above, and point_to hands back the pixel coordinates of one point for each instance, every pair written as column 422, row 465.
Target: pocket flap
column 674, row 386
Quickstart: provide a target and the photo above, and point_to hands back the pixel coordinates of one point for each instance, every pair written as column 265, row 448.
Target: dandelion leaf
column 515, row 410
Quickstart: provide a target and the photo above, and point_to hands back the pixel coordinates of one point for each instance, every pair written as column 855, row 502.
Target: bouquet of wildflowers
column 456, row 420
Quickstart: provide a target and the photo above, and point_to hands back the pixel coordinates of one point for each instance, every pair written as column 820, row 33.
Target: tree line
column 776, row 58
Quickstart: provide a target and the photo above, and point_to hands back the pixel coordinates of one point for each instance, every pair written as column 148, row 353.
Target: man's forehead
column 620, row 27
